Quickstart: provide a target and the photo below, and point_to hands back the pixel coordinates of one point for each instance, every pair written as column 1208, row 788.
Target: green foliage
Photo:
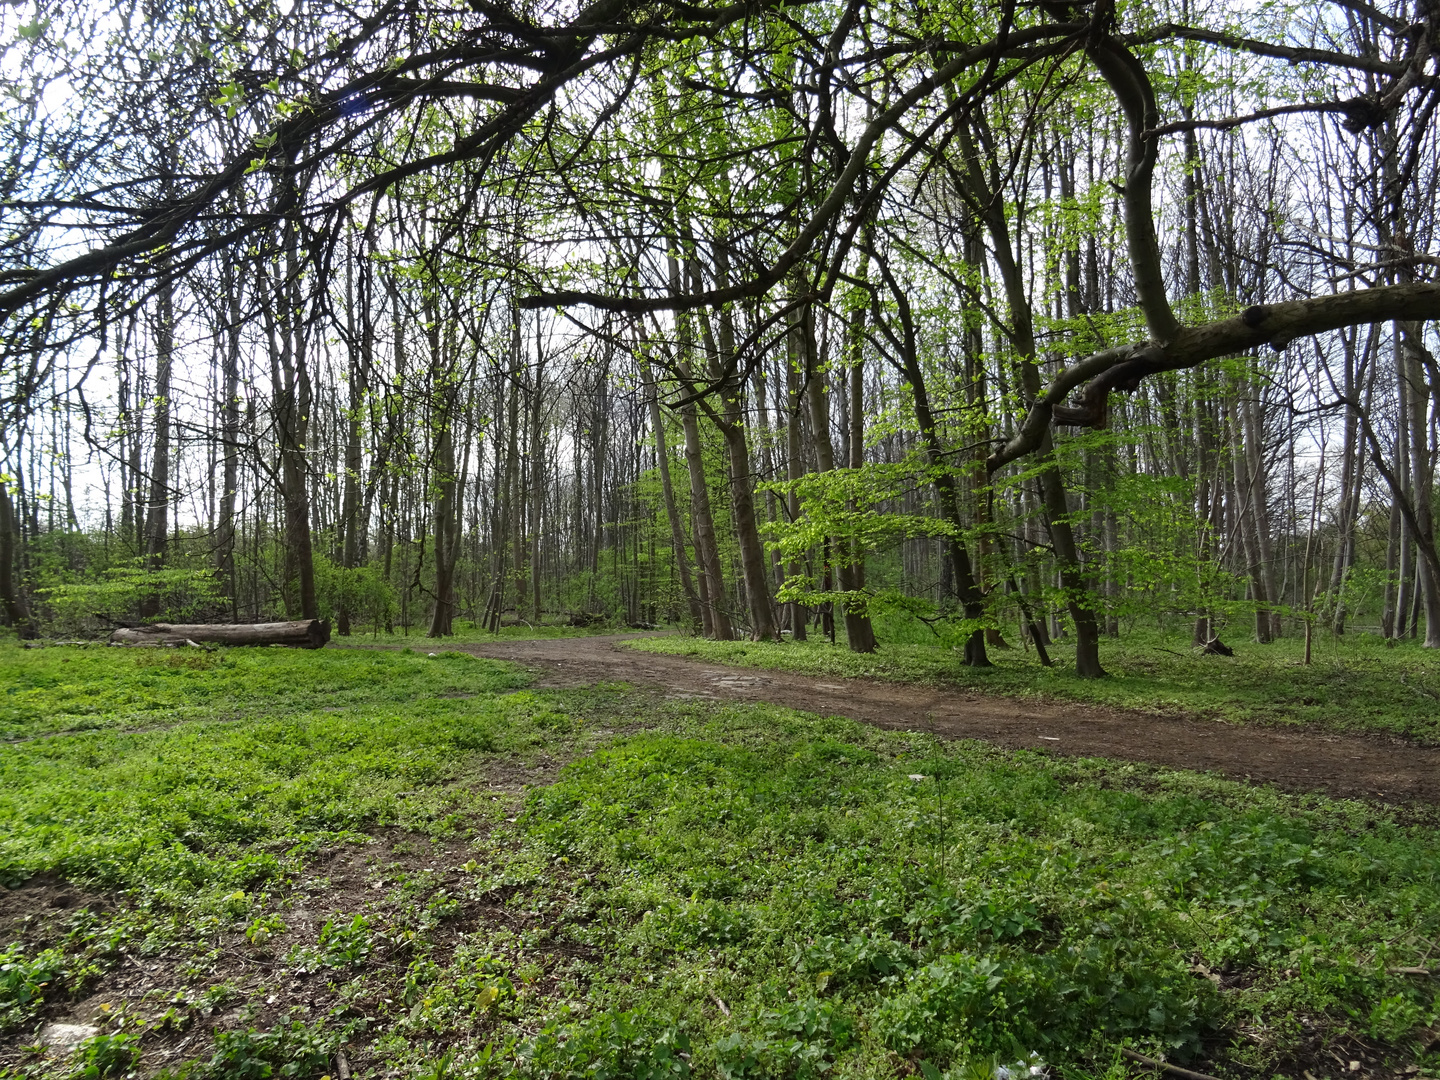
column 342, row 944
column 178, row 594
column 854, row 509
column 105, row 1055
column 289, row 1050
column 616, row 1045
column 720, row 891
column 43, row 691
column 24, row 981
column 360, row 590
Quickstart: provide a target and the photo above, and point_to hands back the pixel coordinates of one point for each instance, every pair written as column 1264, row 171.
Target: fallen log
column 301, row 634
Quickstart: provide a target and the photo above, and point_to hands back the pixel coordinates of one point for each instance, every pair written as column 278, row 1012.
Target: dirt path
column 1297, row 760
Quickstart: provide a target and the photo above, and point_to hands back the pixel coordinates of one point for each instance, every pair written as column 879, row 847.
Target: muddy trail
column 1373, row 768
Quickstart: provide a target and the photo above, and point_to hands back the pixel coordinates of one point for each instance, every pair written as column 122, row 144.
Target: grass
column 1354, row 684
column 467, row 633
column 604, row 884
column 46, row 691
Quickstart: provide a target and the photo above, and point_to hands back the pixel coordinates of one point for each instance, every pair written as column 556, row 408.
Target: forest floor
column 385, row 863
column 1375, row 766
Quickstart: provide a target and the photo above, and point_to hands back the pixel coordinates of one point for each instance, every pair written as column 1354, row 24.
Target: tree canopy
column 972, row 223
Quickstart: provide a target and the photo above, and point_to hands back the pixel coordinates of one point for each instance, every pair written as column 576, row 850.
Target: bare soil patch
column 1374, row 768
column 37, row 909
column 182, row 997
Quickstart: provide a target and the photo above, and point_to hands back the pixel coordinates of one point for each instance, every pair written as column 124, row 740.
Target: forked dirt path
column 1344, row 766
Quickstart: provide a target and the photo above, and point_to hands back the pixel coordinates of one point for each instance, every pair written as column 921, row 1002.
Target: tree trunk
column 1422, row 484
column 731, row 422
column 17, row 613
column 302, row 634
column 157, row 527
column 981, row 191
column 537, row 475
column 859, row 632
column 230, row 433
column 797, row 614
column 972, row 600
column 290, row 381
column 360, row 348
column 667, row 491
column 447, row 496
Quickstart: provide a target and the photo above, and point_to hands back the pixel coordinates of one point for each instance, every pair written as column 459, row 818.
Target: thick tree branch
column 1275, row 325
column 1291, row 53
column 1131, row 86
column 834, row 202
column 564, row 57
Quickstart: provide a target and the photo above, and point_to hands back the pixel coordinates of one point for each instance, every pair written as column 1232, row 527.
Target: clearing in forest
column 255, row 863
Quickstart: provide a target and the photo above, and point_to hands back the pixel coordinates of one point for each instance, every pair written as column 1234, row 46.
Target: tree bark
column 859, row 632
column 797, row 613
column 731, row 421
column 360, row 348
column 17, row 613
column 230, row 434
column 157, row 519
column 667, row 491
column 972, row 600
column 302, row 634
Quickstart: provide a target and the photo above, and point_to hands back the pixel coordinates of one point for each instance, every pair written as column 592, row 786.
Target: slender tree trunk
column 359, row 349
column 157, row 528
column 667, row 491
column 12, row 597
column 859, row 632
column 981, row 190
column 537, row 476
column 972, row 600
column 797, row 613
column 731, row 422
column 290, row 379
column 1249, row 517
column 230, row 434
column 447, row 498
column 1422, row 485
column 712, row 583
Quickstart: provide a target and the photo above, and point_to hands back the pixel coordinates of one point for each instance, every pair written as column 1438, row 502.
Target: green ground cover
column 467, row 633
column 1353, row 684
column 44, row 691
column 607, row 884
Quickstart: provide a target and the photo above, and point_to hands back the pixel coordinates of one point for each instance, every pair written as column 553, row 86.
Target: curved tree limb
column 833, row 203
column 1275, row 325
column 1131, row 86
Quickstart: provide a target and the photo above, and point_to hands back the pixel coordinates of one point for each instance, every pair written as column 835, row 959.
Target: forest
column 1056, row 378
column 1008, row 323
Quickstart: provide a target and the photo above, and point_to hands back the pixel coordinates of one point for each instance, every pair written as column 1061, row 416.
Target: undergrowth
column 415, row 884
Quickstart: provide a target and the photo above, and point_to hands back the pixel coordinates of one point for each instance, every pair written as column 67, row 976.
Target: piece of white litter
column 67, row 1036
column 1019, row 1070
column 430, row 654
column 917, row 776
column 1050, row 738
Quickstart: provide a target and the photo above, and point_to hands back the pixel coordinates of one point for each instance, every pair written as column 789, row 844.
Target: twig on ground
column 1165, row 1066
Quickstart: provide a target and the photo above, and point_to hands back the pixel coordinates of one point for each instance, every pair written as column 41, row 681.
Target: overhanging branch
column 1275, row 325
